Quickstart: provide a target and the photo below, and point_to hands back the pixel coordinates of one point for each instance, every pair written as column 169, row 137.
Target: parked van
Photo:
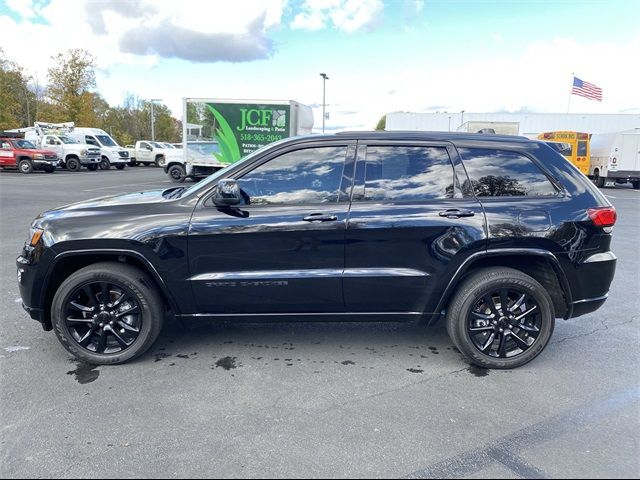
column 112, row 153
column 615, row 158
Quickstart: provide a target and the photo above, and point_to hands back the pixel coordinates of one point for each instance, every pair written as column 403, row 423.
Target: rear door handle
column 320, row 217
column 457, row 213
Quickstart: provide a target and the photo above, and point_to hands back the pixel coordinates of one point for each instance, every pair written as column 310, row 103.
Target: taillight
column 603, row 216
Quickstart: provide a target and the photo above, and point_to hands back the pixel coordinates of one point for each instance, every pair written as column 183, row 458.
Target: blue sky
column 380, row 56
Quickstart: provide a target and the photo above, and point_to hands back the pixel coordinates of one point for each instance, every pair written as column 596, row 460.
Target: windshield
column 24, row 144
column 157, row 145
column 66, row 140
column 106, row 141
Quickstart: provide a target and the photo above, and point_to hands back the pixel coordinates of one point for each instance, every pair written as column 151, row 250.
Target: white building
column 531, row 124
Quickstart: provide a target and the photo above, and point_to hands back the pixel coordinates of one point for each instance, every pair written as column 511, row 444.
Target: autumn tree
column 17, row 101
column 71, row 79
column 382, row 123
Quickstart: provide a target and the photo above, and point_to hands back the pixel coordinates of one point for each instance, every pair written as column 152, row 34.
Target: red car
column 23, row 155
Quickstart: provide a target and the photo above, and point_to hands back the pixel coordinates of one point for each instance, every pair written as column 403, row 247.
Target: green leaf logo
column 229, row 150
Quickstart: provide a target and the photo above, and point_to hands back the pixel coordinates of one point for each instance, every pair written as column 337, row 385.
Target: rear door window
column 500, row 173
column 406, row 173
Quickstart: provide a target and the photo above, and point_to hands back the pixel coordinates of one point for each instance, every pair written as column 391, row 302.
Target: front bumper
column 39, row 163
column 90, row 160
column 26, row 274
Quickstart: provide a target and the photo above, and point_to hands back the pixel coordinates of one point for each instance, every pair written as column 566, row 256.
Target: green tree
column 382, row 123
column 17, row 101
column 70, row 80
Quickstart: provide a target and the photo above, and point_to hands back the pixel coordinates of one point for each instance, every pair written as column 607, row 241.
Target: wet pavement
column 313, row 399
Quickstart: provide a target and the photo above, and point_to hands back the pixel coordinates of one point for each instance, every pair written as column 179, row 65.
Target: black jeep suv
column 498, row 234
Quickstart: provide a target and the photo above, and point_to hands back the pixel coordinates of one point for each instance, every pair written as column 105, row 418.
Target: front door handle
column 320, row 217
column 457, row 213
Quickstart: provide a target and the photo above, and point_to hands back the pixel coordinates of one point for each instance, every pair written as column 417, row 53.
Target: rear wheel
column 597, row 179
column 107, row 313
column 500, row 318
column 159, row 160
column 73, row 165
column 177, row 173
column 120, row 166
column 25, row 166
column 105, row 164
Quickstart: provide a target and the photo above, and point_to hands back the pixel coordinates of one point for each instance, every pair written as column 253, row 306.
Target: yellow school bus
column 575, row 147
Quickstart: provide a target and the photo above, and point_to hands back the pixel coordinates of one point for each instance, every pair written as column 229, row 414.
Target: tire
column 468, row 309
column 93, row 167
column 636, row 185
column 597, row 179
column 159, row 158
column 177, row 173
column 105, row 164
column 73, row 165
column 25, row 166
column 137, row 288
column 120, row 166
column 133, row 162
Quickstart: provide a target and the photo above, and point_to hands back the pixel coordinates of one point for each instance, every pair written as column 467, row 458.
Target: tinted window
column 407, row 173
column 91, row 141
column 311, row 175
column 497, row 173
column 582, row 149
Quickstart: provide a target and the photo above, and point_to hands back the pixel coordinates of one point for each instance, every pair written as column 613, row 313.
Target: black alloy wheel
column 500, row 318
column 103, row 317
column 504, row 323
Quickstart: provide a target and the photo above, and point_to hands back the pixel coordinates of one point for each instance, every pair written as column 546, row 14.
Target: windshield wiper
column 173, row 192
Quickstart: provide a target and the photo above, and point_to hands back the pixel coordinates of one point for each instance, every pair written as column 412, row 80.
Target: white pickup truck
column 147, row 152
column 72, row 155
column 111, row 152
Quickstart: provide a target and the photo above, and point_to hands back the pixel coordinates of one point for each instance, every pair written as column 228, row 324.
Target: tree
column 70, row 81
column 382, row 123
column 17, row 101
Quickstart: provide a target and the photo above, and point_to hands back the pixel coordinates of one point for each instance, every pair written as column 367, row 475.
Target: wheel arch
column 542, row 265
column 67, row 263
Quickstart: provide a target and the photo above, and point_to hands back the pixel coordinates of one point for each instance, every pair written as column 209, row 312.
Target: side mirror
column 227, row 193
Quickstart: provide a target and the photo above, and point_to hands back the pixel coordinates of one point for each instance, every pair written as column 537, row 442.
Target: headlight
column 38, row 156
column 36, row 235
column 84, row 152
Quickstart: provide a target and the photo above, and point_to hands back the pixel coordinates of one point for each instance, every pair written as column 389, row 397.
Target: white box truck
column 111, row 152
column 615, row 158
column 498, row 128
column 218, row 132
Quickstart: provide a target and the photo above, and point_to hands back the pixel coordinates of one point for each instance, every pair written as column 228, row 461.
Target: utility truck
column 500, row 128
column 219, row 132
column 55, row 136
column 615, row 158
column 110, row 152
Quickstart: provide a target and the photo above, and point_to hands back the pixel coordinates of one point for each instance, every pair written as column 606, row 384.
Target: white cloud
column 347, row 15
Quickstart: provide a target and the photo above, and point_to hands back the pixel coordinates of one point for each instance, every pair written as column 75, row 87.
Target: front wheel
column 107, row 313
column 120, row 166
column 73, row 165
column 25, row 166
column 177, row 173
column 105, row 164
column 500, row 318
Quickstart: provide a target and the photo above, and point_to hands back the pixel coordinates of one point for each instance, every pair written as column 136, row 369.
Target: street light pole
column 153, row 133
column 461, row 117
column 324, row 103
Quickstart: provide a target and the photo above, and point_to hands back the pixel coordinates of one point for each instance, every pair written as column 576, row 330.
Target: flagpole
column 573, row 77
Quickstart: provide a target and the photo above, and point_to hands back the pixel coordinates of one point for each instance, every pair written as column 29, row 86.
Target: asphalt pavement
column 313, row 400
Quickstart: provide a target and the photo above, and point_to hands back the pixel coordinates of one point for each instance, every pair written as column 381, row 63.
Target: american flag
column 586, row 89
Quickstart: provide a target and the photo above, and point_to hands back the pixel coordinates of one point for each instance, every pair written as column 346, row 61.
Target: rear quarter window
column 503, row 173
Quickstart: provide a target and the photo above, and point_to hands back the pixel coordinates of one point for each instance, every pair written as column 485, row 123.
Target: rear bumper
column 590, row 283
